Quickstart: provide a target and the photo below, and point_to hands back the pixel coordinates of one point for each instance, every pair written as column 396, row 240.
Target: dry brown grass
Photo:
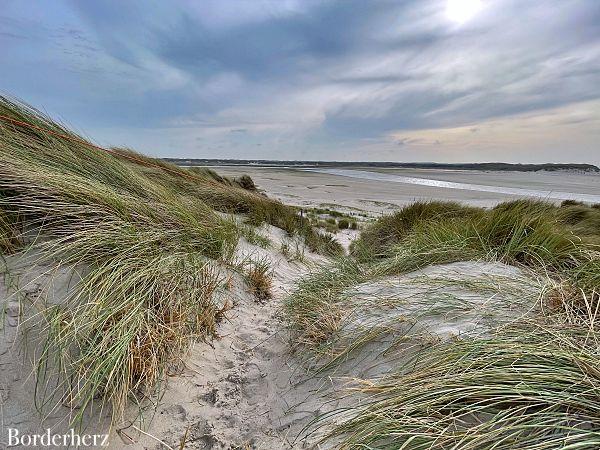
column 260, row 280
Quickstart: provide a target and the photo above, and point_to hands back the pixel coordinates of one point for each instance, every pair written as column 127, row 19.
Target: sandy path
column 236, row 392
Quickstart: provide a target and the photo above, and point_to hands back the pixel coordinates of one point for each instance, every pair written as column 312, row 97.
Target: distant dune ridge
column 492, row 166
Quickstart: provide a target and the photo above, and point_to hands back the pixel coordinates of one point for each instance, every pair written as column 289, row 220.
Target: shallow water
column 542, row 194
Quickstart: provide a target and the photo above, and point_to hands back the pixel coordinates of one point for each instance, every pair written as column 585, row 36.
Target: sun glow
column 460, row 11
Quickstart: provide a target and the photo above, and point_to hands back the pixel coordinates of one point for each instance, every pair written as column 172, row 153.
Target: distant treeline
column 493, row 166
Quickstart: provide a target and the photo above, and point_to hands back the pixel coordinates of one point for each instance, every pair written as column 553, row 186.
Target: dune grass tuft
column 244, row 181
column 259, row 277
column 376, row 240
column 10, row 232
column 313, row 310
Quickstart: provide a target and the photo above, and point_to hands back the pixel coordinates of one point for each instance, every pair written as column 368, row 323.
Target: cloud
column 314, row 79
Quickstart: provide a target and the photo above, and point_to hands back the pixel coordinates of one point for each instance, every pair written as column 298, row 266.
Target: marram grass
column 534, row 387
column 10, row 232
column 126, row 327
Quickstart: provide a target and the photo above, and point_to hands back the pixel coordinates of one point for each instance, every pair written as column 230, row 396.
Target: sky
column 346, row 80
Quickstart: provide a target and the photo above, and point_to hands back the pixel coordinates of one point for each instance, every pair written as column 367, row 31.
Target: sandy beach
column 314, row 189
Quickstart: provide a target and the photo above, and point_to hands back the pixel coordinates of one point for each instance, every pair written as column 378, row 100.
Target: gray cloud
column 300, row 78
